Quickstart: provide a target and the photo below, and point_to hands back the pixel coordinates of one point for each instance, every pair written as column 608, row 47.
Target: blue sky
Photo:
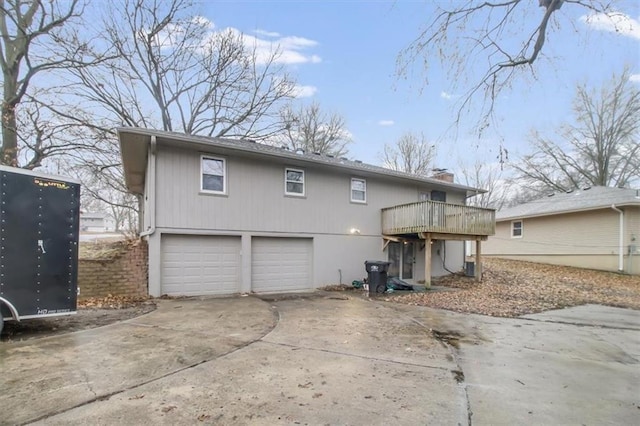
column 344, row 53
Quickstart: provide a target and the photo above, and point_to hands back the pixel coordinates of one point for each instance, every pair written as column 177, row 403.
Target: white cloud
column 300, row 91
column 288, row 50
column 445, row 95
column 203, row 22
column 267, row 33
column 293, row 42
column 635, row 78
column 386, row 123
column 613, row 22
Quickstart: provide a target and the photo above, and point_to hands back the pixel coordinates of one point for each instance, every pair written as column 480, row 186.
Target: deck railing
column 437, row 217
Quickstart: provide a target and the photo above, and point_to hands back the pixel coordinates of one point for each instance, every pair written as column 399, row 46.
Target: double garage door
column 194, row 265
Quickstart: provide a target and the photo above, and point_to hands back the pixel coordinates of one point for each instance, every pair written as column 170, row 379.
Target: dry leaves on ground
column 512, row 288
column 111, row 302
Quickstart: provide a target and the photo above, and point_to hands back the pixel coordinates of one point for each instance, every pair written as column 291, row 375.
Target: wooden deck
column 434, row 220
column 438, row 218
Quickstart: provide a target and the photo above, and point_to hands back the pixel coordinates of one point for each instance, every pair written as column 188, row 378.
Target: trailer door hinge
column 41, row 246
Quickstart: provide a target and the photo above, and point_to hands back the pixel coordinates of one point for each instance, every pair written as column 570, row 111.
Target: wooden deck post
column 478, row 260
column 427, row 261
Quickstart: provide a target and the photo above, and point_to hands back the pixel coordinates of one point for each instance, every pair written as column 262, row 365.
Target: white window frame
column 294, row 194
column 364, row 181
column 224, row 174
column 513, row 228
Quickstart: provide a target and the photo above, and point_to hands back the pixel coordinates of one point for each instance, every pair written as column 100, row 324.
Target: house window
column 439, row 196
column 294, row 182
column 516, row 229
column 424, row 196
column 358, row 190
column 214, row 175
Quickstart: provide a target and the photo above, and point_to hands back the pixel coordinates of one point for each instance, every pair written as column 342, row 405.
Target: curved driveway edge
column 334, row 359
column 45, row 376
column 330, row 360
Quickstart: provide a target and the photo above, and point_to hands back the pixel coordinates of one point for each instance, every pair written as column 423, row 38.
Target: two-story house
column 228, row 216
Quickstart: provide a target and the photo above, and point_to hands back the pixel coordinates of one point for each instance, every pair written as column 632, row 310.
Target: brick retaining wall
column 124, row 273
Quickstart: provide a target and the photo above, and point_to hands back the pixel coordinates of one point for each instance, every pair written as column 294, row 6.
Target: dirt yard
column 512, row 288
column 91, row 313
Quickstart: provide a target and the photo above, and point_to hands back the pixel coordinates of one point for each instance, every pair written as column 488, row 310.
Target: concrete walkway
column 329, row 360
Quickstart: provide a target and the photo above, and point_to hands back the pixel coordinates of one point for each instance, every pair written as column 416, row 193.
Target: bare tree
column 311, row 129
column 486, row 176
column 36, row 38
column 412, row 153
column 166, row 68
column 600, row 148
column 507, row 36
column 173, row 72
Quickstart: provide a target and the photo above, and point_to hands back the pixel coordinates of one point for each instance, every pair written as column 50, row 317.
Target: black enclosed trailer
column 39, row 222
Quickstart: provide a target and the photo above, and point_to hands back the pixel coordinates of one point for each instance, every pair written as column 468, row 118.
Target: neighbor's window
column 358, row 190
column 516, row 229
column 214, row 175
column 294, row 182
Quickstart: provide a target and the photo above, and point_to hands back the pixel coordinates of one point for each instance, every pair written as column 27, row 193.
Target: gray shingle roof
column 268, row 150
column 597, row 197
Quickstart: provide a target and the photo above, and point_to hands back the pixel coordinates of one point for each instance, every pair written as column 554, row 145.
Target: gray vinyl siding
column 256, row 201
column 255, row 205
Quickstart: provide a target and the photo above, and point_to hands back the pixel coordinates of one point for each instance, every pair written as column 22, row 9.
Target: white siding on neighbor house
column 632, row 226
column 585, row 239
column 281, row 264
column 592, row 232
column 195, row 265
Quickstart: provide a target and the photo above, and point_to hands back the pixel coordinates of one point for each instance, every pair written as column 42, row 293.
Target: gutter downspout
column 621, row 239
column 151, row 189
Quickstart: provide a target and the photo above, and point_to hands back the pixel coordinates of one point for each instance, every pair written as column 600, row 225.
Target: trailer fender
column 14, row 311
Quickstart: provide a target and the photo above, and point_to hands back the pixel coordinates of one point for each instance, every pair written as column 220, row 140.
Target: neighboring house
column 597, row 228
column 227, row 216
column 95, row 222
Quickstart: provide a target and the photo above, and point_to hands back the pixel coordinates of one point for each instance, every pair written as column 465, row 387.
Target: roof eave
column 554, row 213
column 134, row 151
column 137, row 162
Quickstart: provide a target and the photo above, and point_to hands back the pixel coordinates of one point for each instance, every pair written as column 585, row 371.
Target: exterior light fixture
column 354, row 231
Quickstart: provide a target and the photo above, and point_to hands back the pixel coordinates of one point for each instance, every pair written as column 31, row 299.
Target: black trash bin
column 377, row 275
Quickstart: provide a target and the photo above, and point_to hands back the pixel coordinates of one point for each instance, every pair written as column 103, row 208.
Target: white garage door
column 200, row 265
column 281, row 264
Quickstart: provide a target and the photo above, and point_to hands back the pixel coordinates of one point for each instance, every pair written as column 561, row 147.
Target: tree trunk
column 9, row 124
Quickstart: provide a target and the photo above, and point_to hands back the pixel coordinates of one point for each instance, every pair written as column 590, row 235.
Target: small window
column 424, row 196
column 214, row 175
column 439, row 196
column 358, row 190
column 294, row 182
column 516, row 229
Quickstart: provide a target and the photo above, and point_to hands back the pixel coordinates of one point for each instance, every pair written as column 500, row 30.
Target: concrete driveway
column 329, row 359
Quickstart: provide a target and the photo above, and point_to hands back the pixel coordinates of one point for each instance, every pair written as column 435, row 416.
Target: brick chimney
column 443, row 175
